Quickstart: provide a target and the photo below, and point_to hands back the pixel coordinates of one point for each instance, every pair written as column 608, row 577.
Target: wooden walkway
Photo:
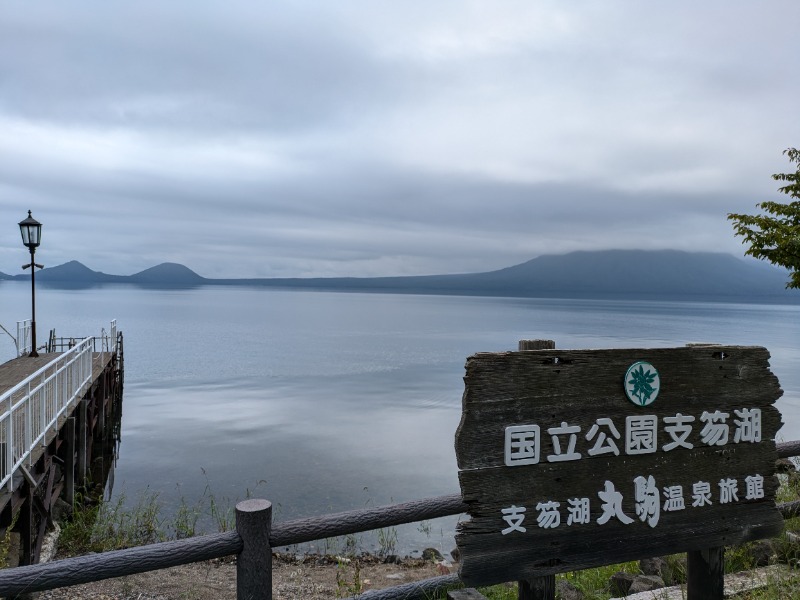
column 16, row 370
column 72, row 409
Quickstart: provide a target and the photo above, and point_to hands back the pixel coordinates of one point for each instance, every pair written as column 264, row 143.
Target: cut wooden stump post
column 254, row 562
column 537, row 345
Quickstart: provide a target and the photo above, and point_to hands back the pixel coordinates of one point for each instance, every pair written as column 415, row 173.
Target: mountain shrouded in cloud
column 604, row 274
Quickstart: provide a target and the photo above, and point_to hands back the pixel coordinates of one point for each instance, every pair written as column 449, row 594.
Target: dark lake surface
column 324, row 402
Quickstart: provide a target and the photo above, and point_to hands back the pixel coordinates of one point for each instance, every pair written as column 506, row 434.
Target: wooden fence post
column 254, row 562
column 705, row 574
column 537, row 345
column 537, row 588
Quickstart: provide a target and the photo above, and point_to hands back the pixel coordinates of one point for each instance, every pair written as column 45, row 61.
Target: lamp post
column 31, row 231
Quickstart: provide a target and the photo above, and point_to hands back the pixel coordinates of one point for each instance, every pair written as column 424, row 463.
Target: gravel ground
column 310, row 578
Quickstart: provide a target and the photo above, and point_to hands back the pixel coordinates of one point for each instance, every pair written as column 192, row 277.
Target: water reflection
column 339, row 400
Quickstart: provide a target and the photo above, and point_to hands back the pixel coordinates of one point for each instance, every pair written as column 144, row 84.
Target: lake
column 324, row 402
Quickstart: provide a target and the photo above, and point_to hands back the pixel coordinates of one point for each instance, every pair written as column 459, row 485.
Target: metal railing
column 23, row 337
column 33, row 406
column 110, row 341
column 107, row 341
column 252, row 541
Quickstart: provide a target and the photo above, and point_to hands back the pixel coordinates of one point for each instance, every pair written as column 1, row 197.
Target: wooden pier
column 73, row 452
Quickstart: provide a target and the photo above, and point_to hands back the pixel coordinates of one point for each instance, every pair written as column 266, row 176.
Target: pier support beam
column 101, row 407
column 82, row 434
column 25, row 525
column 69, row 461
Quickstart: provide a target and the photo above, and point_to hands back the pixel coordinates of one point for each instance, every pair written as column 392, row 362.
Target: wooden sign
column 571, row 459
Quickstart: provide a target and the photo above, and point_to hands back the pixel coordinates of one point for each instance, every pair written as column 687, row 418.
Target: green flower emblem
column 642, row 383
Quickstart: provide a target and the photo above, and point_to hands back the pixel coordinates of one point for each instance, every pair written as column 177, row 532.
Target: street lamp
column 31, row 231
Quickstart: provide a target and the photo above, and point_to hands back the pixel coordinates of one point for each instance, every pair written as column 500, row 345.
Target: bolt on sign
column 572, row 459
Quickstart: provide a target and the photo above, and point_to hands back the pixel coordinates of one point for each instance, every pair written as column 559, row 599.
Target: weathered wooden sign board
column 571, row 459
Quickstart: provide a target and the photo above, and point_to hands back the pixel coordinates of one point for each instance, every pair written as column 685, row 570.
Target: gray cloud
column 311, row 138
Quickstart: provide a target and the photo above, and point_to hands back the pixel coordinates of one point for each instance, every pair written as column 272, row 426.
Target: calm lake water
column 324, row 402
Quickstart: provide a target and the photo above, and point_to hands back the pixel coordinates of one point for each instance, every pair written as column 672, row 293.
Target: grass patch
column 594, row 583
column 97, row 526
column 104, row 526
column 5, row 543
column 779, row 588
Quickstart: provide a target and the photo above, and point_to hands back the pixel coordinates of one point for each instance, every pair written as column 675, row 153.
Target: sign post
column 573, row 459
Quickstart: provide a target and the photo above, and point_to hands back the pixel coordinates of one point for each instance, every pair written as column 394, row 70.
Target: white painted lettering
column 678, row 429
column 715, row 432
column 748, row 425
column 572, row 431
column 578, row 511
column 549, row 517
column 728, row 489
column 612, row 505
column 641, row 434
column 701, row 494
column 674, row 498
column 514, row 516
column 605, row 443
column 648, row 502
column 522, row 445
column 755, row 487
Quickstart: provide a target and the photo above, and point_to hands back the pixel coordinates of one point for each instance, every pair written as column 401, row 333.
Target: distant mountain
column 168, row 273
column 601, row 274
column 70, row 272
column 640, row 273
column 75, row 274
column 664, row 274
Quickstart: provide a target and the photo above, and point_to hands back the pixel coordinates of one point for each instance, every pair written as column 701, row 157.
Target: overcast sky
column 261, row 139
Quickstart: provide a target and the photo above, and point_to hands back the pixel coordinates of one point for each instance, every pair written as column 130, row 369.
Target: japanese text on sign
column 523, row 443
column 648, row 503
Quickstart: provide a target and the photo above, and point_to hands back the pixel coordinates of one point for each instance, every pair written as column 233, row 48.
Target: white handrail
column 114, row 336
column 108, row 341
column 33, row 406
column 23, row 337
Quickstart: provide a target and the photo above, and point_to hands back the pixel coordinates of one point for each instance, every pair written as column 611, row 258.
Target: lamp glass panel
column 35, row 234
column 31, row 234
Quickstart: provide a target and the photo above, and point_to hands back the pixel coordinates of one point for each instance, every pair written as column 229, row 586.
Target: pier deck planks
column 15, row 371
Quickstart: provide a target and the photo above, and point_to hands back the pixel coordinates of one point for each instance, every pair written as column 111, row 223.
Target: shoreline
column 309, row 578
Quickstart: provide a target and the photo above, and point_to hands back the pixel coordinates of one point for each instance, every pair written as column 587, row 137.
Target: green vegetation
column 776, row 238
column 100, row 527
column 348, row 578
column 387, row 540
column 5, row 543
column 97, row 526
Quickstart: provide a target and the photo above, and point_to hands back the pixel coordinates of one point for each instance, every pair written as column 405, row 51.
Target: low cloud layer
column 368, row 138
